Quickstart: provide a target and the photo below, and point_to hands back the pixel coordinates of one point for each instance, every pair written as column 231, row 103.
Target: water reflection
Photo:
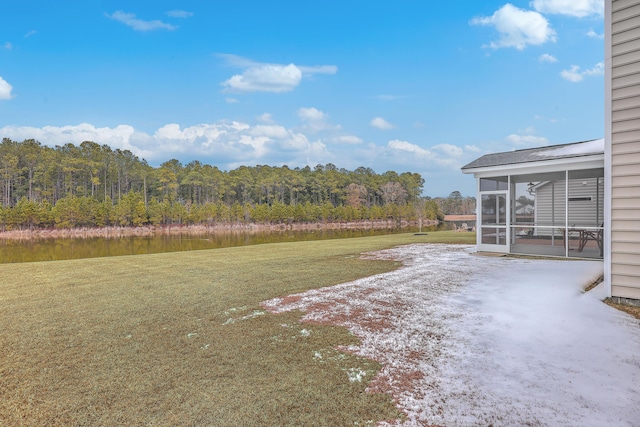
column 12, row 251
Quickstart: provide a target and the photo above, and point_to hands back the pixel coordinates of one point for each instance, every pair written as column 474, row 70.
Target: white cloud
column 545, row 57
column 234, row 143
column 574, row 74
column 380, row 123
column 311, row 114
column 130, row 20
column 472, row 148
column 299, row 142
column 271, row 131
column 226, row 143
column 238, row 61
column 318, row 69
column 315, row 120
column 396, row 144
column 597, row 70
column 577, row 8
column 594, row 35
column 347, row 139
column 449, row 149
column 518, row 27
column 527, row 140
column 5, row 89
column 118, row 137
column 265, row 77
column 265, row 118
column 30, row 33
column 179, row 14
column 8, row 45
column 229, row 100
column 419, row 157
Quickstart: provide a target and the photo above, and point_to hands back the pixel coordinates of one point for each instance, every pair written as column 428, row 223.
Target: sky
column 461, row 343
column 408, row 86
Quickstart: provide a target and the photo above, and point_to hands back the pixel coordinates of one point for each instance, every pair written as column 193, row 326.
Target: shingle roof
column 539, row 154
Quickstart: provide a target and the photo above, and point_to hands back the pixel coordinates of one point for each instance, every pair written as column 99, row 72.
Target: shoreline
column 199, row 229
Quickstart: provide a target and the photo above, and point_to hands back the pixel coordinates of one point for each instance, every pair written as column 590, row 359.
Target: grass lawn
column 180, row 339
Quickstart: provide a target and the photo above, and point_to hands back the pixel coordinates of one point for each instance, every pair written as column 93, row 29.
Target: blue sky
column 406, row 85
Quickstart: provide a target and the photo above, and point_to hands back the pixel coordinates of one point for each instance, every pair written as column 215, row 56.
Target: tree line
column 92, row 185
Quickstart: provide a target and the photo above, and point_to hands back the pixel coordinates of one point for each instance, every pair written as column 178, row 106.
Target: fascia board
column 556, row 165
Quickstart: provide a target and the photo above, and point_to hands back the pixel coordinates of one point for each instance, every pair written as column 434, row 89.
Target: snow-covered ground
column 474, row 340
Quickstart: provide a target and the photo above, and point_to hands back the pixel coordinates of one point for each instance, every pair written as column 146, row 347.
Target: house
column 580, row 199
column 542, row 201
column 622, row 150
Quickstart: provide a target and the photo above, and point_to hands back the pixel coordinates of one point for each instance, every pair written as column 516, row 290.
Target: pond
column 51, row 249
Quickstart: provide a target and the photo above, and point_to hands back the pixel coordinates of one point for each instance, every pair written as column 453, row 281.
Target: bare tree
column 393, row 192
column 356, row 194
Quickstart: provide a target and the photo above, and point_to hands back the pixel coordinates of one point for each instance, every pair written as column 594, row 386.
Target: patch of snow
column 305, row 332
column 588, row 147
column 234, row 309
column 356, row 375
column 192, row 334
column 255, row 313
column 471, row 340
column 599, row 292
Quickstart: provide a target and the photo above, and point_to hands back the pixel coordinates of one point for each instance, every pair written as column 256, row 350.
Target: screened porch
column 552, row 213
column 542, row 201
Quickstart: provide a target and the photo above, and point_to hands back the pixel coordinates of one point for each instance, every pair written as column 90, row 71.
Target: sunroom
column 542, row 201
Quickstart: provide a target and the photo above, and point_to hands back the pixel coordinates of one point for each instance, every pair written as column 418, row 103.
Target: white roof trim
column 556, row 165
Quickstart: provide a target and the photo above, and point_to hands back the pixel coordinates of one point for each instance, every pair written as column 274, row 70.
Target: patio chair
column 586, row 235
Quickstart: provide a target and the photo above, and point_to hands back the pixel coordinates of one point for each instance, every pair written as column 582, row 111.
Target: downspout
column 553, row 213
column 566, row 214
column 607, row 145
column 535, row 211
column 507, row 220
column 478, row 214
column 597, row 201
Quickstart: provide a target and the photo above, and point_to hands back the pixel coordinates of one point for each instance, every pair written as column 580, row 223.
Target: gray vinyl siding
column 582, row 213
column 550, row 207
column 586, row 213
column 625, row 148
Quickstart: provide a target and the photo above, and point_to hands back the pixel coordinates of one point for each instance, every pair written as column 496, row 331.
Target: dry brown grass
column 632, row 310
column 594, row 283
column 179, row 339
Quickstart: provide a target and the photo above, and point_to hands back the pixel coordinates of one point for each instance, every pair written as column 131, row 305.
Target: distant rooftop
column 540, row 154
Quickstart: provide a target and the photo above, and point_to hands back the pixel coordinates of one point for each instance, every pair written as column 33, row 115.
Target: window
column 494, row 184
